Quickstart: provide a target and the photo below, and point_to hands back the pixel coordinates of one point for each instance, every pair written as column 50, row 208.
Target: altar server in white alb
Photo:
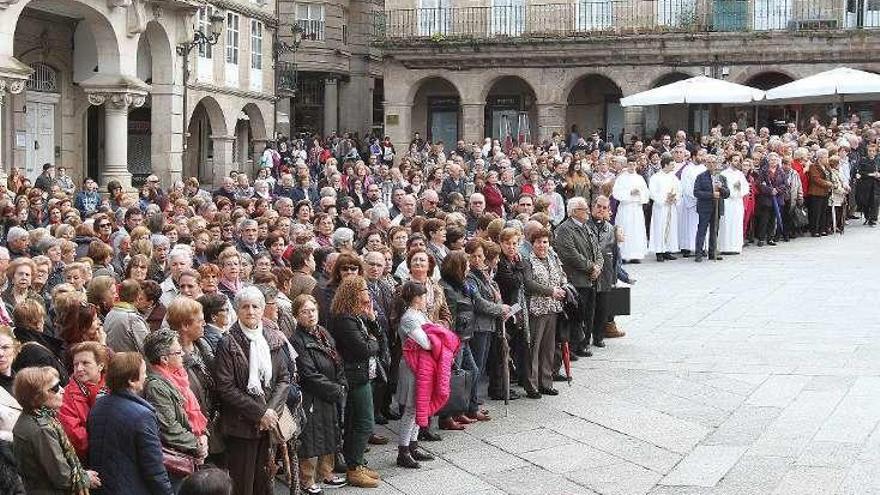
column 730, row 228
column 631, row 191
column 687, row 224
column 665, row 190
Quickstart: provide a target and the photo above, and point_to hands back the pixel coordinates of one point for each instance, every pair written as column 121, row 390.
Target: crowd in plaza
column 266, row 327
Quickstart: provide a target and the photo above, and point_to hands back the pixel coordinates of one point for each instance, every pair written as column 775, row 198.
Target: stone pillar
column 331, row 106
column 634, row 122
column 116, row 105
column 283, row 116
column 551, row 118
column 13, row 86
column 398, row 125
column 223, row 163
column 473, row 123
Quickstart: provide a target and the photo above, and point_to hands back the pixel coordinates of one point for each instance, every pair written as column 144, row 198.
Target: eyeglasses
column 175, row 353
column 349, row 268
column 55, row 388
column 104, row 226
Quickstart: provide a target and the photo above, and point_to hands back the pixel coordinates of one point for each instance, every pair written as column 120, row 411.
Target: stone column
column 331, row 106
column 13, row 86
column 223, row 163
column 634, row 122
column 282, row 113
column 473, row 123
column 551, row 118
column 116, row 105
column 398, row 125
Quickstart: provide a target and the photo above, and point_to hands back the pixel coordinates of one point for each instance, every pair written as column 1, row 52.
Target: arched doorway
column 42, row 115
column 594, row 105
column 250, row 139
column 436, row 111
column 205, row 125
column 60, row 40
column 511, row 111
column 774, row 118
column 151, row 147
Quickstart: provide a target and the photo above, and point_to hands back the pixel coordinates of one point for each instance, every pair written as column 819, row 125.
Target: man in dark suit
column 582, row 262
column 710, row 188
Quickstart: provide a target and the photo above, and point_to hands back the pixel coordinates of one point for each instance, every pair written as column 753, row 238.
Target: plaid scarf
column 79, row 479
column 323, row 339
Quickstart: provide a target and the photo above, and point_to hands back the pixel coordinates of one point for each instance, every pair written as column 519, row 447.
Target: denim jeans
column 465, row 360
column 479, row 348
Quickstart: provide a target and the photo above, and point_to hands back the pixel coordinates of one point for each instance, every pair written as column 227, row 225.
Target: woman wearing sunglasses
column 46, row 459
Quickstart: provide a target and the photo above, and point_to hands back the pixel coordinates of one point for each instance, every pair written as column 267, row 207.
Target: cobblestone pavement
column 758, row 374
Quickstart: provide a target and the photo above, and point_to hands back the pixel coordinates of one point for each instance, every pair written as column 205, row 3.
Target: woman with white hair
column 252, row 382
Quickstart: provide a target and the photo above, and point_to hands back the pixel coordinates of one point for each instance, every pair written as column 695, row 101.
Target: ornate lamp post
column 286, row 72
column 200, row 39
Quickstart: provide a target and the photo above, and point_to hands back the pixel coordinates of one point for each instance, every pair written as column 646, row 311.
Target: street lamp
column 200, row 39
column 286, row 74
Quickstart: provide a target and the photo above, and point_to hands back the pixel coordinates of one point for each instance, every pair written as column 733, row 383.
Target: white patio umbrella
column 696, row 90
column 832, row 86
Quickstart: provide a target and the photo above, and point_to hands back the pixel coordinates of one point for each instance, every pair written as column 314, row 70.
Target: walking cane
column 714, row 231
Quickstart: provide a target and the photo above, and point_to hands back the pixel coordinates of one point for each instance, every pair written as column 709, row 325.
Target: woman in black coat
column 322, row 379
column 353, row 323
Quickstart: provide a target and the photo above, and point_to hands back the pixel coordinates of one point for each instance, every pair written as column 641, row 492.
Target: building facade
column 469, row 69
column 333, row 81
column 99, row 87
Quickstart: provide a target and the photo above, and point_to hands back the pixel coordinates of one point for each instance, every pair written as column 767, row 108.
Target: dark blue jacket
column 703, row 191
column 124, row 446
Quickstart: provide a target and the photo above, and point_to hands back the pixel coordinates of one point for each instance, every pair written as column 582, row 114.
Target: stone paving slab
column 704, row 466
column 756, row 375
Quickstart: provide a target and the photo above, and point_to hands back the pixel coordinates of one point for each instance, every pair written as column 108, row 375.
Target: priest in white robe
column 665, row 189
column 631, row 191
column 689, row 220
column 730, row 231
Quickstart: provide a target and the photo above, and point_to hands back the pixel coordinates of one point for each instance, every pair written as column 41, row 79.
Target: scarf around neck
column 79, row 478
column 259, row 360
column 180, row 380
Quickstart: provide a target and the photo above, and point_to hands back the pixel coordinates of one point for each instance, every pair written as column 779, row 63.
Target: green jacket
column 40, row 458
column 174, row 428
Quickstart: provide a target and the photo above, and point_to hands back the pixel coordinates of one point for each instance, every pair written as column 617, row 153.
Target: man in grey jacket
column 124, row 325
column 604, row 236
column 582, row 262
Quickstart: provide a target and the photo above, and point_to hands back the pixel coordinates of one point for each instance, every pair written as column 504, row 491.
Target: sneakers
column 335, row 482
column 360, row 477
column 312, row 490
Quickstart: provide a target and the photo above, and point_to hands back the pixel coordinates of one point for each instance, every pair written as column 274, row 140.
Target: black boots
column 405, row 458
column 408, row 457
column 418, row 454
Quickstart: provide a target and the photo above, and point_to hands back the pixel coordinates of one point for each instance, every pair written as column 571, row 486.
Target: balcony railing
column 588, row 17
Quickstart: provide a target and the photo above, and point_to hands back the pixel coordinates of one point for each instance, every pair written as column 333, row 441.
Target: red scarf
column 178, row 377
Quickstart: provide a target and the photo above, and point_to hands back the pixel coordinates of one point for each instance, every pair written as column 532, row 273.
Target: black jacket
column 356, row 342
column 322, row 380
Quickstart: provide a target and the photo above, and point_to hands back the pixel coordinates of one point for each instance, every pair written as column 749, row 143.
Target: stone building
column 333, row 82
column 467, row 69
column 98, row 86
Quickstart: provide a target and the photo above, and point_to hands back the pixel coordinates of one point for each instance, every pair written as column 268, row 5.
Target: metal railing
column 587, row 17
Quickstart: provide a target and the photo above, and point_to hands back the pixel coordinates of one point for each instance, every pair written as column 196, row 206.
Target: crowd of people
column 266, row 327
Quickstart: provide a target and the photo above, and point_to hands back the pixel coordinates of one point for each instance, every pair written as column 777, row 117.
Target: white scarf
column 260, row 360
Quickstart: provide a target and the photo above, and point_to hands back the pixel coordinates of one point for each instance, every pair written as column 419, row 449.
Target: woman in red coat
column 494, row 199
column 748, row 199
column 80, row 394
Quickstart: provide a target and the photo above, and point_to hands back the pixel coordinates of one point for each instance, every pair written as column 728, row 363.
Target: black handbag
column 460, row 384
